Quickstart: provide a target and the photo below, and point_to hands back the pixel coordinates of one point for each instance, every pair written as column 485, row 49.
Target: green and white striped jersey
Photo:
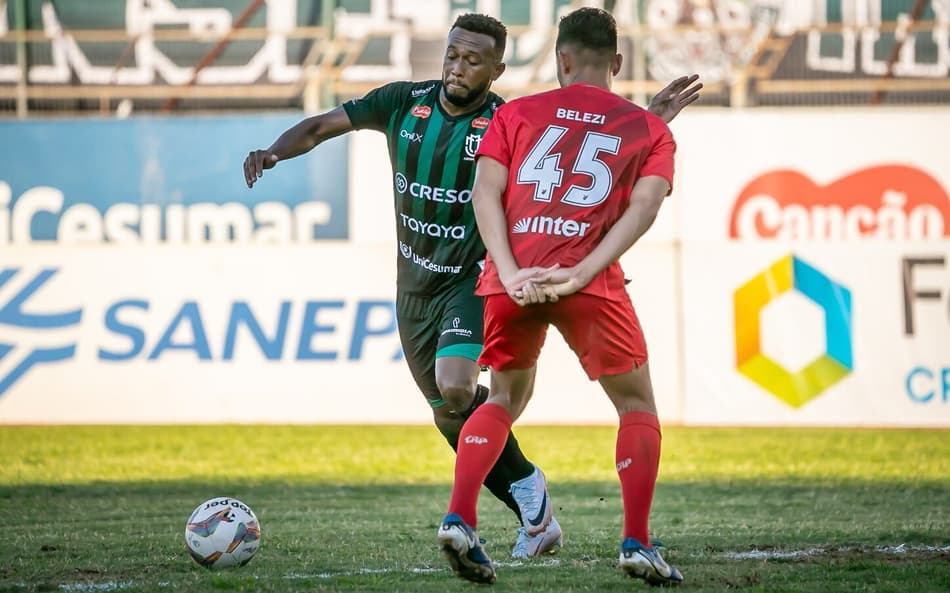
column 433, row 161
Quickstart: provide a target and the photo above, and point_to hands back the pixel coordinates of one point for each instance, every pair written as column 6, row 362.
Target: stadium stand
column 115, row 56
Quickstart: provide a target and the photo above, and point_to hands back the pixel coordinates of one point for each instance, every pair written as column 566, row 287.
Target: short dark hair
column 589, row 28
column 486, row 25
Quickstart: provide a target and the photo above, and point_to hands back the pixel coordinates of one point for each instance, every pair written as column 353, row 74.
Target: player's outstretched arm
column 675, row 96
column 297, row 140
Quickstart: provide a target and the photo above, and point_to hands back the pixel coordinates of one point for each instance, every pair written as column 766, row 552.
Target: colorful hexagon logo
column 794, row 388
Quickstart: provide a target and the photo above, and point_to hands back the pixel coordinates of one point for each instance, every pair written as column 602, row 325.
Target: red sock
column 480, row 444
column 638, row 460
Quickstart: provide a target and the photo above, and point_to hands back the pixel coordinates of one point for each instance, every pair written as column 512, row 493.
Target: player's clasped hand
column 532, row 293
column 255, row 163
column 534, row 276
column 549, row 286
column 533, row 286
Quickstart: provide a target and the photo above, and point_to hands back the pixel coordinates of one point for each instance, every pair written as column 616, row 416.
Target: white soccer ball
column 222, row 532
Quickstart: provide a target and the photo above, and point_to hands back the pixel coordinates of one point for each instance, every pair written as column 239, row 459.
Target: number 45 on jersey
column 542, row 168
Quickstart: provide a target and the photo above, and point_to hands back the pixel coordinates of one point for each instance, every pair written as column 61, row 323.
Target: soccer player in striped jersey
column 433, row 130
column 567, row 181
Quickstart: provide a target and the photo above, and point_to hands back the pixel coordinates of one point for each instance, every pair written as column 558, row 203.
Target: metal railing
column 97, row 71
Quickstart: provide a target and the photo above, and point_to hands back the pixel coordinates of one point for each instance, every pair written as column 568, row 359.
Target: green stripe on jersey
column 469, row 351
column 432, row 157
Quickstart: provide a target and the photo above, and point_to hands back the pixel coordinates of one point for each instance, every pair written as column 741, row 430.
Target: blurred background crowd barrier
column 72, row 56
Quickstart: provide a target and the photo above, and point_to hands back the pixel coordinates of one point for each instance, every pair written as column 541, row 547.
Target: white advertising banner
column 823, row 175
column 249, row 334
column 816, row 280
column 799, row 274
column 211, row 334
column 818, row 334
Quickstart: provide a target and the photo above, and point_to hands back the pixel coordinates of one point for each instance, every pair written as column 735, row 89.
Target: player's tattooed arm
column 675, row 96
column 297, row 140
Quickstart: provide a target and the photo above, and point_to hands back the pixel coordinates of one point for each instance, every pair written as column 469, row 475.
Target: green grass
column 356, row 509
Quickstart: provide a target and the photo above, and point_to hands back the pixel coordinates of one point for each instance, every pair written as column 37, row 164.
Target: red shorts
column 605, row 334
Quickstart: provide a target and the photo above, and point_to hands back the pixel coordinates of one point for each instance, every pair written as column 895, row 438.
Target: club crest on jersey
column 422, row 111
column 480, row 122
column 471, row 146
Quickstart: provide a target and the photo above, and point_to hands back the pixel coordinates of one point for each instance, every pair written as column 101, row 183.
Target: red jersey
column 573, row 155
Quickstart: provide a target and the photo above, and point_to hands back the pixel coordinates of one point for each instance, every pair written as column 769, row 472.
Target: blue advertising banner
column 165, row 181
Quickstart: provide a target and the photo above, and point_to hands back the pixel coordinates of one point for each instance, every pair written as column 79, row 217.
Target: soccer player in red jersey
column 566, row 181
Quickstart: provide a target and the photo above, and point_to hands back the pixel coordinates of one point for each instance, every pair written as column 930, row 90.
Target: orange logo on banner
column 422, row 111
column 884, row 202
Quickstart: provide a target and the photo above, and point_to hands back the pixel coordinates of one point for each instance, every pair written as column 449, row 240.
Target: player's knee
column 457, row 392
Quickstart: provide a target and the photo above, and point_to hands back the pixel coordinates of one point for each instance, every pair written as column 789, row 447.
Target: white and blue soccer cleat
column 462, row 547
column 641, row 562
column 548, row 541
column 531, row 494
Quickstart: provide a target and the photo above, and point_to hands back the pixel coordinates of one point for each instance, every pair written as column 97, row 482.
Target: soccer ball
column 222, row 532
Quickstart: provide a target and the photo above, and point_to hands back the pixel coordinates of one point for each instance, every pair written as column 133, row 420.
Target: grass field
column 356, row 509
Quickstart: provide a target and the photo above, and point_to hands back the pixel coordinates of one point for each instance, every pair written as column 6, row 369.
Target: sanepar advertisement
column 206, row 334
column 141, row 280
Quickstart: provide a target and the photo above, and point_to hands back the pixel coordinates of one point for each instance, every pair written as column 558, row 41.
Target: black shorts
column 430, row 327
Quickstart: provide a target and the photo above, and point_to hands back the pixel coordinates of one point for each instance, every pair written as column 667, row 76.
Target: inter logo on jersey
column 422, row 111
column 545, row 225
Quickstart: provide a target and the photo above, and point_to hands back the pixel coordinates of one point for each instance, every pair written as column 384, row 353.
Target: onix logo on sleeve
column 794, row 388
column 16, row 359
